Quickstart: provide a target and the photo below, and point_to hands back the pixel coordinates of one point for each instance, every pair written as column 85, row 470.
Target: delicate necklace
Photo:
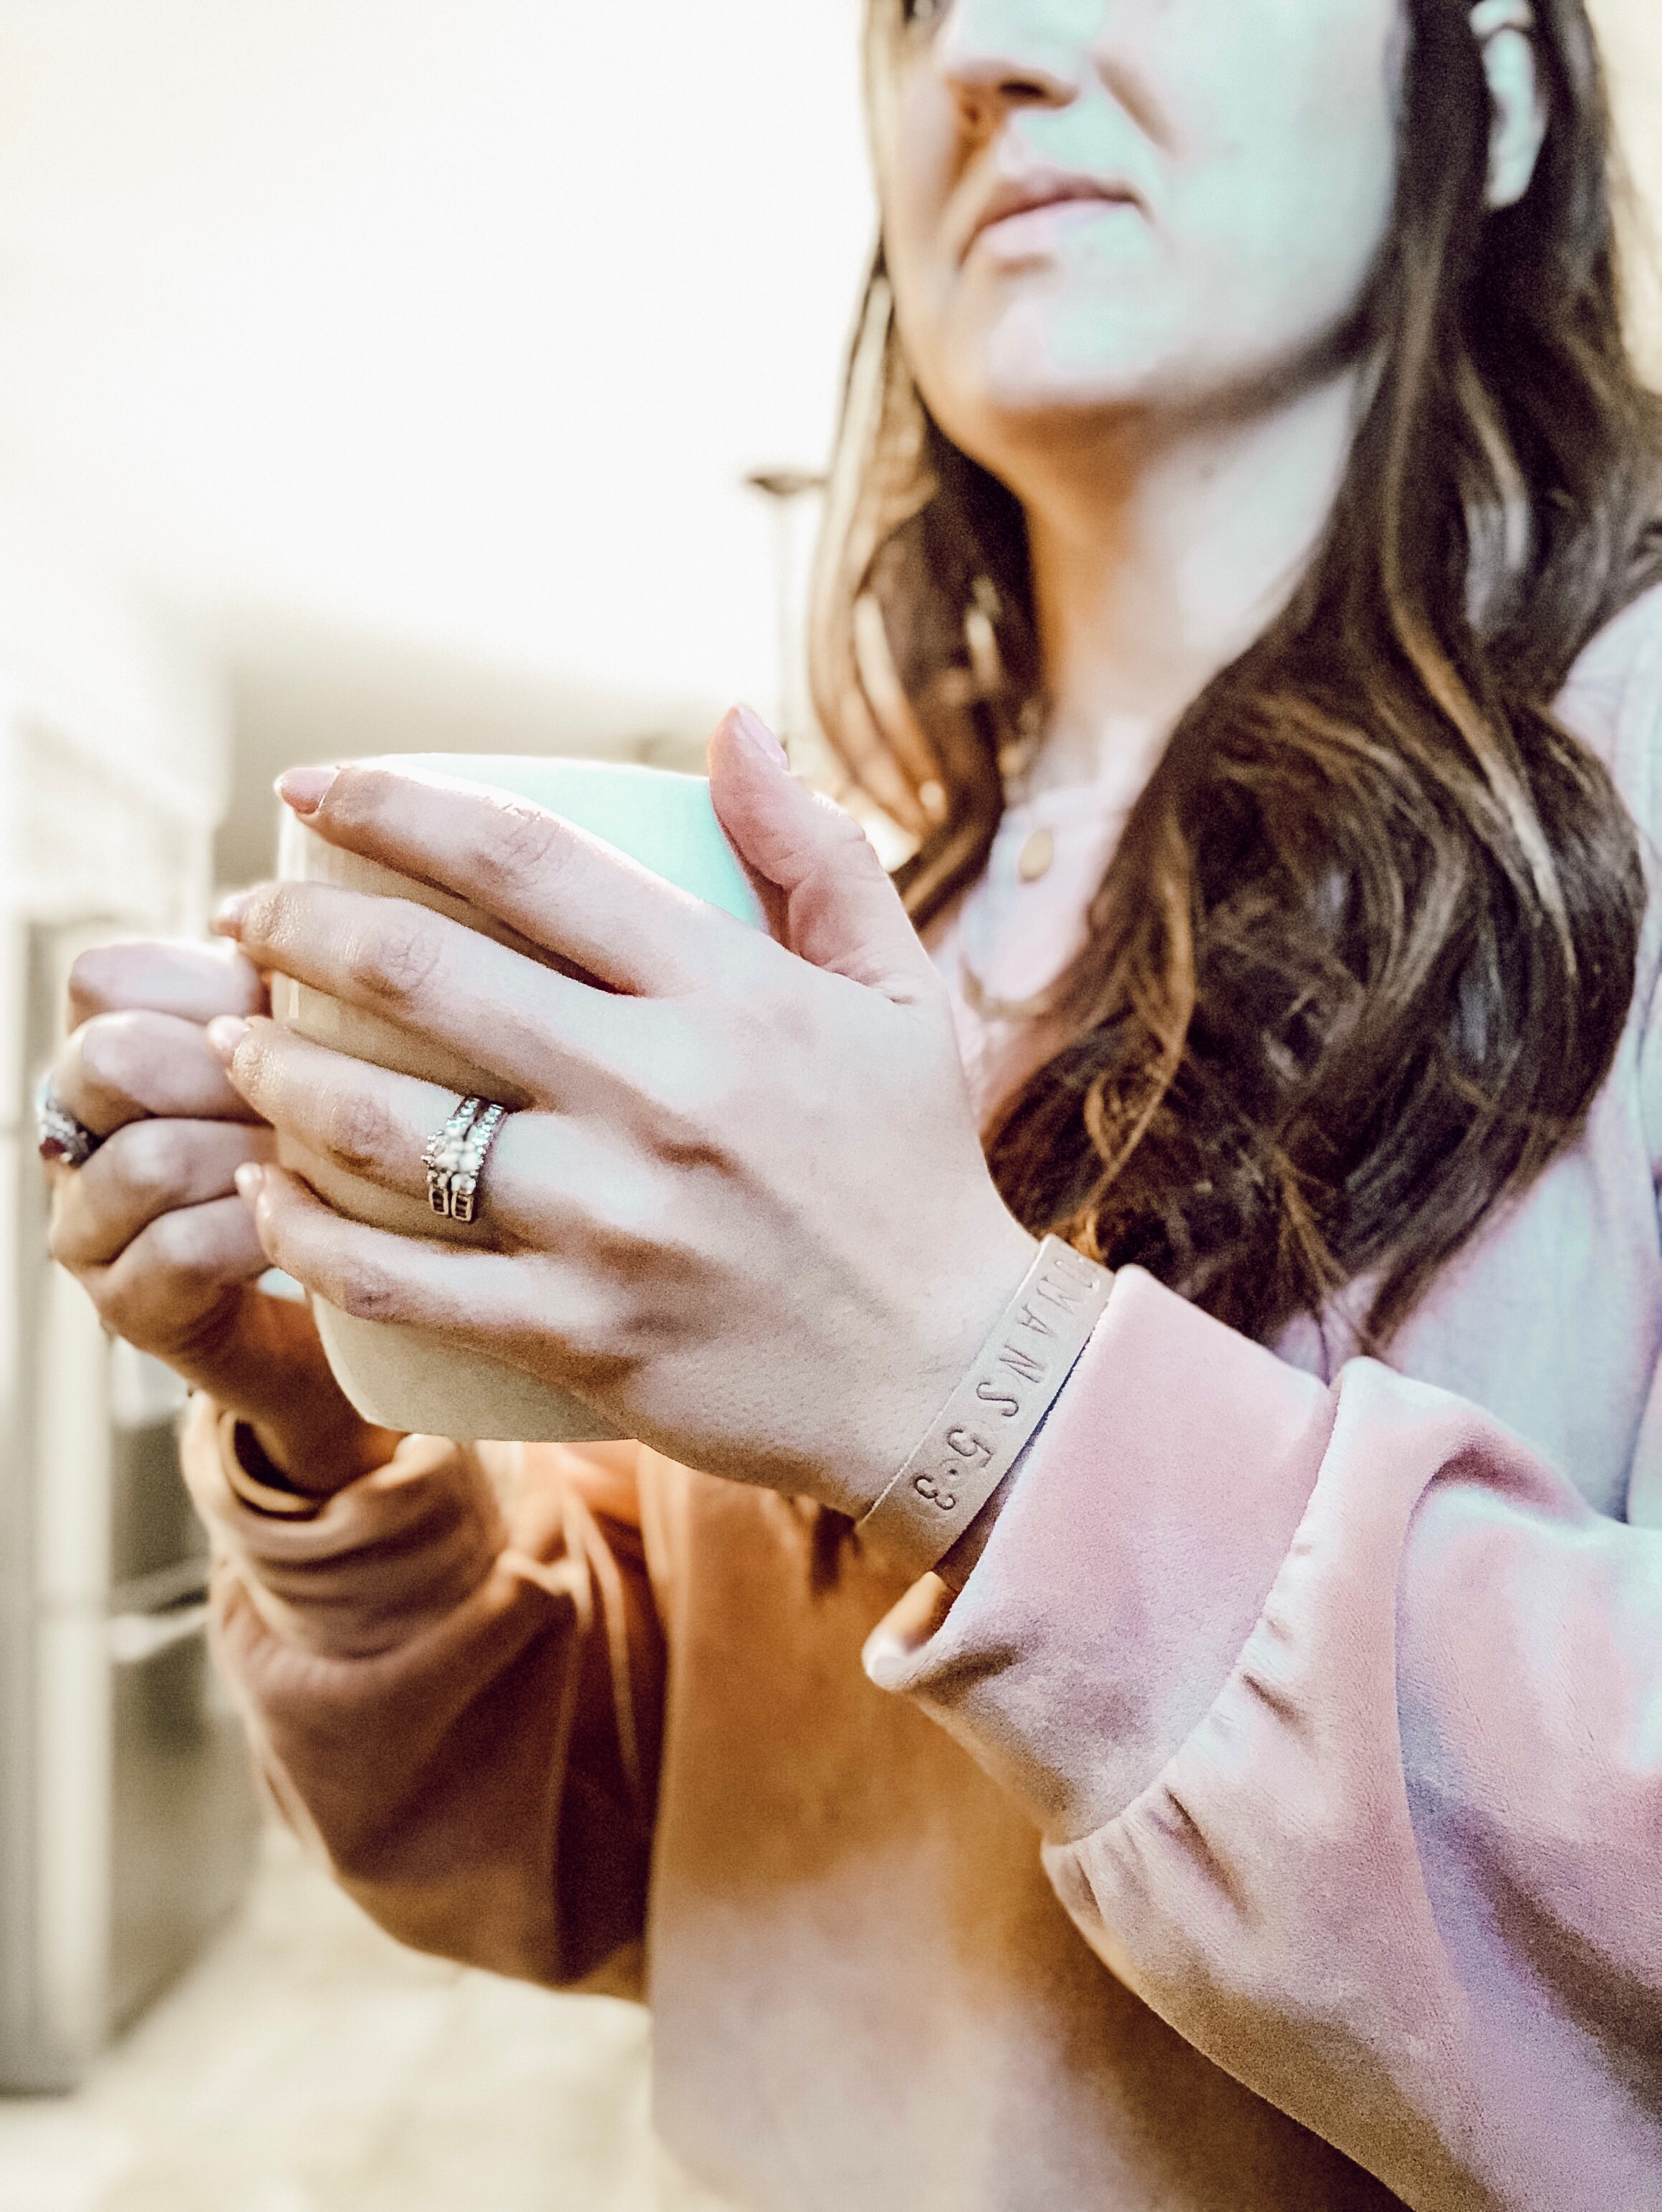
column 1035, row 861
column 987, row 1007
column 1017, row 762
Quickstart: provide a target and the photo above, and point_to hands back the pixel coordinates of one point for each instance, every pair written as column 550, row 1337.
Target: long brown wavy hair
column 1365, row 952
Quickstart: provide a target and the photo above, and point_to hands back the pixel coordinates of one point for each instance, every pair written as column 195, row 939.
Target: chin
column 1034, row 368
column 1056, row 366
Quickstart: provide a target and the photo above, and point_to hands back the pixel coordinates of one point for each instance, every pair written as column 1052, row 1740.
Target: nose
column 1000, row 54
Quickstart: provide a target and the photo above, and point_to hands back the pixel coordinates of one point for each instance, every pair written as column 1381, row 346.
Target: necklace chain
column 988, row 1007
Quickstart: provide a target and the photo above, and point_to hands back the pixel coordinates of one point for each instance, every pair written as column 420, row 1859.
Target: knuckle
column 838, row 846
column 273, row 911
column 269, row 920
column 841, row 829
column 110, row 1053
column 96, row 981
column 357, row 1133
column 151, row 1160
column 698, row 1139
column 395, row 958
column 519, row 846
column 364, row 1290
column 178, row 1247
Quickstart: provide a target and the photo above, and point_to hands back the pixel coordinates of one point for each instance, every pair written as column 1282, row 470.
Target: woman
column 1239, row 581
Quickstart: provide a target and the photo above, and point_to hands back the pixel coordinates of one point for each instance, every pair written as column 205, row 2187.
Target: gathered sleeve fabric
column 452, row 1676
column 1342, row 1715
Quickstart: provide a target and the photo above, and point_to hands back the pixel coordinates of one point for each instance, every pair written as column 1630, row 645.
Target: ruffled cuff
column 253, row 1479
column 1128, row 1567
column 359, row 1571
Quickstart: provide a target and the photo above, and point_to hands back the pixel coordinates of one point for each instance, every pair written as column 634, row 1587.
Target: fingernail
column 225, row 1033
column 304, row 789
column 228, row 921
column 250, row 1179
column 757, row 734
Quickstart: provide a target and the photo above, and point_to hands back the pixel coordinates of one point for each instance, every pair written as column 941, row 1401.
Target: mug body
column 408, row 1378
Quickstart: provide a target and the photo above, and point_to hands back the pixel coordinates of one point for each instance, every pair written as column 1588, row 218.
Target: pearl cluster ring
column 454, row 1159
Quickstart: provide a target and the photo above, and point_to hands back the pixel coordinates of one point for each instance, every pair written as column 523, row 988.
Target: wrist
column 314, row 1460
column 267, row 1369
column 929, row 1345
column 940, row 1504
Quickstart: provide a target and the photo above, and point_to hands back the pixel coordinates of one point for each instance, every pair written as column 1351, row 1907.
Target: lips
column 1018, row 196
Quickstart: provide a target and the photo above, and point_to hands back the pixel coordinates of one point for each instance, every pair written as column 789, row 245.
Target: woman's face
column 1097, row 206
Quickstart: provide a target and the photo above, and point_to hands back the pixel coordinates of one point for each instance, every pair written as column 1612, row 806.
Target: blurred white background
column 411, row 353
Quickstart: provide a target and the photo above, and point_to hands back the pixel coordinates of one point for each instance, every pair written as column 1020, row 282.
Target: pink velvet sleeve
column 1342, row 1715
column 452, row 1679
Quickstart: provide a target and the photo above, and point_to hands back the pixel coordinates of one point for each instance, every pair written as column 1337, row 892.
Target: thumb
column 840, row 910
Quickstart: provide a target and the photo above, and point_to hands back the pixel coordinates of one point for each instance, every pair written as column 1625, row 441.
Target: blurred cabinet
column 127, row 1813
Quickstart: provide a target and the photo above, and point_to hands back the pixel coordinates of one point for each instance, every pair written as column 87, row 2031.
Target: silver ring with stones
column 58, row 1135
column 455, row 1157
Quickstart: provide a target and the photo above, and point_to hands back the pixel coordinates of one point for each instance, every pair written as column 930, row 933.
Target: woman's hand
column 747, row 1214
column 152, row 1227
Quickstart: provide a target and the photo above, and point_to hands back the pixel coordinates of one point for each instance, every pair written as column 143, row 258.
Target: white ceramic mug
column 409, row 1378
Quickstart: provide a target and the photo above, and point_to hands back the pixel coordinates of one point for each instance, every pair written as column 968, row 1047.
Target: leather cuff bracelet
column 980, row 1432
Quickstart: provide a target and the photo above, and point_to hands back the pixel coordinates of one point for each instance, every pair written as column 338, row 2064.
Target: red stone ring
column 58, row 1134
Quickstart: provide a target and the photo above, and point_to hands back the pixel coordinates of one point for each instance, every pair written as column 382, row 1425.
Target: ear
column 1505, row 31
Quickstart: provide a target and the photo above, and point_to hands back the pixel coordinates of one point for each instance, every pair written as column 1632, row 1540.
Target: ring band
column 58, row 1134
column 455, row 1157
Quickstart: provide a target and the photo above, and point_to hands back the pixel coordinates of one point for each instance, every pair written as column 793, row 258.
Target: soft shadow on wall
column 305, row 694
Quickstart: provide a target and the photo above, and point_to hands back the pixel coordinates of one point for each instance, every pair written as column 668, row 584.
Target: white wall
column 1632, row 34
column 81, row 651
column 452, row 324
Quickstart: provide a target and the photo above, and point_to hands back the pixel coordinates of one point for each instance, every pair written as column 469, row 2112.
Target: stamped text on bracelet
column 1018, row 1369
column 982, row 1429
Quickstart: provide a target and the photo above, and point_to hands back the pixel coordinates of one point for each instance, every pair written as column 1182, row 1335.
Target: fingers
column 539, row 1030
column 146, row 1169
column 174, row 1270
column 537, row 1314
column 550, row 1316
column 842, row 912
column 362, row 1119
column 122, row 1067
column 344, row 1118
column 376, row 1275
column 192, row 981
column 558, row 885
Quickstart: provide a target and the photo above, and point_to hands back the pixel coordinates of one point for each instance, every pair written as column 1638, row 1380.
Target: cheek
column 1268, row 139
column 919, row 167
column 1287, row 199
